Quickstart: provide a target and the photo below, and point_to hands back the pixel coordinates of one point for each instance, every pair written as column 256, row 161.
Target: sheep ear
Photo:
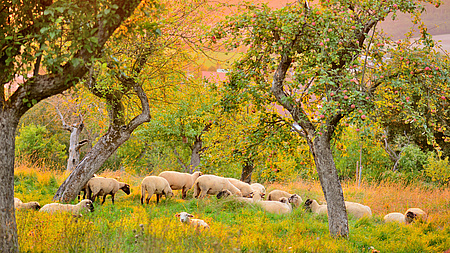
column 190, row 215
column 177, row 215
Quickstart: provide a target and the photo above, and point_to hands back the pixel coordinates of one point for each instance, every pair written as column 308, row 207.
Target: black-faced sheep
column 295, row 200
column 155, row 185
column 415, row 214
column 84, row 206
column 102, row 186
column 258, row 187
column 394, row 217
column 276, row 207
column 245, row 188
column 188, row 219
column 180, row 181
column 276, row 195
column 18, row 204
column 212, row 185
column 312, row 205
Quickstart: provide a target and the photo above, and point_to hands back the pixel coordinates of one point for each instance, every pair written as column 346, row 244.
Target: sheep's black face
column 307, row 204
column 36, row 206
column 90, row 206
column 126, row 189
column 222, row 194
column 410, row 216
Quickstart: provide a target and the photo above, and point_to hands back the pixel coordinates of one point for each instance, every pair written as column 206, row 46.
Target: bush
column 413, row 159
column 438, row 170
column 38, row 144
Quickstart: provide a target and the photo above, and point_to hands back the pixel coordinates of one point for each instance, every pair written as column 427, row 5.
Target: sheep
column 102, row 186
column 223, row 194
column 394, row 217
column 211, row 184
column 187, row 218
column 84, row 190
column 245, row 188
column 358, row 210
column 415, row 214
column 276, row 195
column 312, row 205
column 18, row 205
column 258, row 187
column 155, row 185
column 276, row 207
column 84, row 206
column 295, row 200
column 255, row 196
column 180, row 181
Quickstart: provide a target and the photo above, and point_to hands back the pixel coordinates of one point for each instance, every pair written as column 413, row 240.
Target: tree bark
column 247, row 170
column 195, row 156
column 8, row 228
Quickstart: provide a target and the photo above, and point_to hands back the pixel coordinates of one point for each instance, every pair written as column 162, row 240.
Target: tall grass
column 128, row 226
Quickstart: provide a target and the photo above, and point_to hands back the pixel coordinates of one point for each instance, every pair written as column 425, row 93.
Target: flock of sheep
column 278, row 201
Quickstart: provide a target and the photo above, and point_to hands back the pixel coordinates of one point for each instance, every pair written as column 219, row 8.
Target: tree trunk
column 331, row 186
column 195, row 156
column 8, row 227
column 74, row 147
column 247, row 170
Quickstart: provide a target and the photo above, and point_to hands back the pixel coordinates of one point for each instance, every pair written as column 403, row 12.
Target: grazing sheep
column 358, row 210
column 394, row 217
column 18, row 204
column 102, row 186
column 180, row 181
column 211, row 184
column 84, row 206
column 223, row 194
column 245, row 188
column 258, row 187
column 312, row 205
column 276, row 195
column 155, row 185
column 415, row 214
column 187, row 218
column 276, row 207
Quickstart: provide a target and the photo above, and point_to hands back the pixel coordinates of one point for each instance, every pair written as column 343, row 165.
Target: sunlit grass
column 129, row 226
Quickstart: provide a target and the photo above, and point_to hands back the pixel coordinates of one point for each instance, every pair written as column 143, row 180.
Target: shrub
column 438, row 170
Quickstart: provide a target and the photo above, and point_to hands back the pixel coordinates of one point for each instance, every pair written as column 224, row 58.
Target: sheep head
column 126, row 189
column 184, row 217
column 307, row 204
column 223, row 194
column 87, row 205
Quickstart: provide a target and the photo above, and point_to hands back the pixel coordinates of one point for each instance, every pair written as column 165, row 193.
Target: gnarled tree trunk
column 247, row 170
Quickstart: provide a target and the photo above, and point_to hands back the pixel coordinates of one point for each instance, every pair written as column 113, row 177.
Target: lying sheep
column 256, row 196
column 186, row 218
column 155, row 185
column 223, row 194
column 276, row 207
column 180, row 181
column 211, row 184
column 312, row 205
column 102, row 186
column 295, row 200
column 276, row 195
column 394, row 217
column 84, row 206
column 18, row 205
column 258, row 187
column 245, row 188
column 358, row 210
column 415, row 214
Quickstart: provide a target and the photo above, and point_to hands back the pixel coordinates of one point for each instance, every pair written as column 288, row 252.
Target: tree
column 61, row 38
column 321, row 63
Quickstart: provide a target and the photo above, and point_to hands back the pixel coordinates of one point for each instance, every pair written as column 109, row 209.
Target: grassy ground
column 128, row 226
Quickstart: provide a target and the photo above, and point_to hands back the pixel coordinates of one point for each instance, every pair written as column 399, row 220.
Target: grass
column 128, row 226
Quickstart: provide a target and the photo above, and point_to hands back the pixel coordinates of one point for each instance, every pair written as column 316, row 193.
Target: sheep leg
column 150, row 194
column 142, row 194
column 184, row 193
column 104, row 198
column 112, row 198
column 157, row 198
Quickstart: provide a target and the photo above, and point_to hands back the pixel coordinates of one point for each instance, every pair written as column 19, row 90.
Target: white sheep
column 276, row 195
column 255, row 196
column 295, row 200
column 180, row 181
column 276, row 207
column 394, row 217
column 155, row 185
column 212, row 185
column 258, row 187
column 358, row 210
column 415, row 214
column 187, row 218
column 102, row 186
column 311, row 204
column 18, row 204
column 245, row 188
column 84, row 206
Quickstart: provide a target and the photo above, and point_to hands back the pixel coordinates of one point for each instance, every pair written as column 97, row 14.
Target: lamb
column 394, row 217
column 276, row 207
column 276, row 195
column 84, row 206
column 358, row 210
column 180, row 181
column 155, row 185
column 312, row 205
column 415, row 214
column 102, row 186
column 187, row 219
column 258, row 187
column 211, row 184
column 245, row 188
column 18, row 205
